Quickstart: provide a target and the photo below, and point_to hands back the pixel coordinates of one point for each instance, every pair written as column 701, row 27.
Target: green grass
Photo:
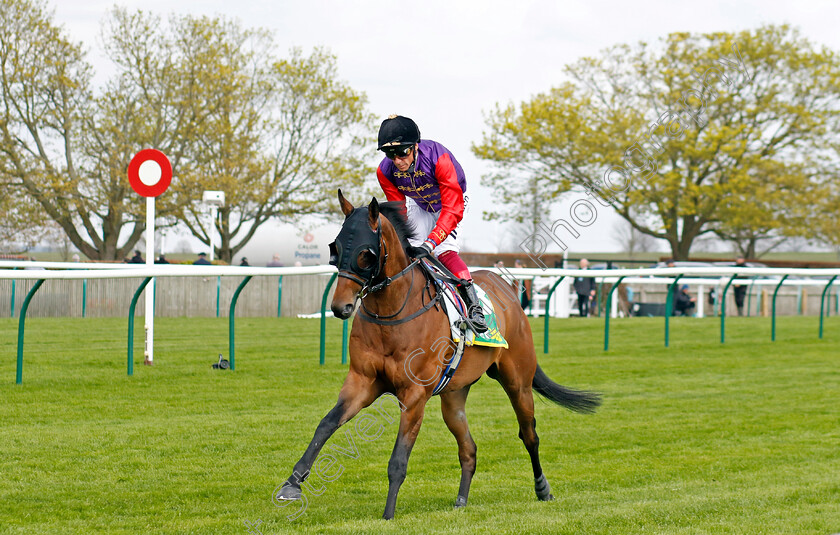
column 696, row 438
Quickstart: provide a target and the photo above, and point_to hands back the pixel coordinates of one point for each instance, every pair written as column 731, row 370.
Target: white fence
column 193, row 290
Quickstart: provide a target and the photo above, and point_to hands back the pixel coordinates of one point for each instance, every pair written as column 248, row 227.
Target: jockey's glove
column 421, row 251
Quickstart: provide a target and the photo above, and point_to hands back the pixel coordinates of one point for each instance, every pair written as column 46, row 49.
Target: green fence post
column 723, row 308
column 669, row 301
column 279, row 294
column 822, row 303
column 131, row 307
column 775, row 292
column 344, row 341
column 608, row 311
column 324, row 317
column 21, row 326
column 799, row 300
column 547, row 301
column 749, row 297
column 12, row 305
column 218, row 291
column 84, row 297
column 530, row 301
column 231, row 319
column 598, row 291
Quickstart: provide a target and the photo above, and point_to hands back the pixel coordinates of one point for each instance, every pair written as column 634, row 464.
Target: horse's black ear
column 373, row 213
column 346, row 207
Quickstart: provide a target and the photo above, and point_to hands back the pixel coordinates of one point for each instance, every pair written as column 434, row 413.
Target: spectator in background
column 76, row 258
column 244, row 262
column 585, row 288
column 161, row 260
column 137, row 258
column 523, row 286
column 740, row 289
column 275, row 261
column 202, row 260
column 684, row 303
column 499, row 265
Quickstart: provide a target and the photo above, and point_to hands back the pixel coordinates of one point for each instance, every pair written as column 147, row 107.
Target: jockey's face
column 404, row 162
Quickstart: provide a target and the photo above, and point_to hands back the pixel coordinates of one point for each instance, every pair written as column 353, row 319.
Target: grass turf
column 696, row 438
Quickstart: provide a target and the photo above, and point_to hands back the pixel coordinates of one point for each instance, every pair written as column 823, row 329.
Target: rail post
column 669, row 303
column 218, row 291
column 21, row 327
column 324, row 318
column 822, row 303
column 749, row 297
column 231, row 343
column 723, row 308
column 279, row 294
column 131, row 307
column 775, row 293
column 609, row 310
column 84, row 297
column 547, row 301
column 344, row 328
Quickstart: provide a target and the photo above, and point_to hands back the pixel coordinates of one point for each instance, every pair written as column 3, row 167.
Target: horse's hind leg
column 517, row 381
column 357, row 393
column 452, row 406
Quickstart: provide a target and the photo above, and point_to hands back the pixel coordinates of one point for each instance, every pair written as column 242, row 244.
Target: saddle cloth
column 457, row 311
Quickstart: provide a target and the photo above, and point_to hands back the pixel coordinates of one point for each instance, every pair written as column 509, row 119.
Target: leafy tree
column 285, row 165
column 23, row 224
column 738, row 119
column 631, row 240
column 44, row 82
column 272, row 134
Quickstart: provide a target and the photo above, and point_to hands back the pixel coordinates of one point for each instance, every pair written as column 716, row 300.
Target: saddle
column 456, row 311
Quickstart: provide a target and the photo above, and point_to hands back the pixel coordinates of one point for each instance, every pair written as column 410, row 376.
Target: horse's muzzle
column 342, row 312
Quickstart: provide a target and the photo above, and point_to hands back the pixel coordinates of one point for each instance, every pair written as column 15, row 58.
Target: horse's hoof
column 460, row 502
column 288, row 492
column 543, row 489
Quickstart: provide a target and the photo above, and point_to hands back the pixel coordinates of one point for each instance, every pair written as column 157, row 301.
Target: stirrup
column 477, row 320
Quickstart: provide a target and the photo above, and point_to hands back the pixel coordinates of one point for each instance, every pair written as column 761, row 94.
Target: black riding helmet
column 397, row 131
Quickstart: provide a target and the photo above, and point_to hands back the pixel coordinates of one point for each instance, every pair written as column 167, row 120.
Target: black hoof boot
column 543, row 489
column 460, row 502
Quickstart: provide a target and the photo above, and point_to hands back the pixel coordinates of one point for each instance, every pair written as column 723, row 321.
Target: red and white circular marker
column 149, row 172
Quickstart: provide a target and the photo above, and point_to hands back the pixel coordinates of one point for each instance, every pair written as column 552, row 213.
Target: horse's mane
column 394, row 211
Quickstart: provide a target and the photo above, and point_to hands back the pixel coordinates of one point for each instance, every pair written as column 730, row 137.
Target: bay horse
column 398, row 315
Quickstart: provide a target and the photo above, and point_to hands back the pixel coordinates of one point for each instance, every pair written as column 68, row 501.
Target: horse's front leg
column 357, row 393
column 410, row 422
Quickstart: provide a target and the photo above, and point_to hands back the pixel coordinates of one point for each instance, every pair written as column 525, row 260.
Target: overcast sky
column 447, row 63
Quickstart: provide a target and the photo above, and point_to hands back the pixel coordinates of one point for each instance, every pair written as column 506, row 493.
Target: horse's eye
column 366, row 259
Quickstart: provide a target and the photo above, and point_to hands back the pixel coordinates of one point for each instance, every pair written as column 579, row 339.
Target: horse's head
column 359, row 253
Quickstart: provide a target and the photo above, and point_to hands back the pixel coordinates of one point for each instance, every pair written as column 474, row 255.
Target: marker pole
column 150, row 288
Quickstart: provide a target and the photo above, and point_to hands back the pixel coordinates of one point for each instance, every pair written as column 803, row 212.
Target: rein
column 378, row 319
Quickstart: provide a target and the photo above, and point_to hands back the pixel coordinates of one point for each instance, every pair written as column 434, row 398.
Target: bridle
column 349, row 268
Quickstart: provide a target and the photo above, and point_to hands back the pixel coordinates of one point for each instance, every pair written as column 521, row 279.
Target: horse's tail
column 575, row 400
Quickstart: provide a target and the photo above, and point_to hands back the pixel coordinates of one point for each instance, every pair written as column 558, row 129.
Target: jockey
column 427, row 177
